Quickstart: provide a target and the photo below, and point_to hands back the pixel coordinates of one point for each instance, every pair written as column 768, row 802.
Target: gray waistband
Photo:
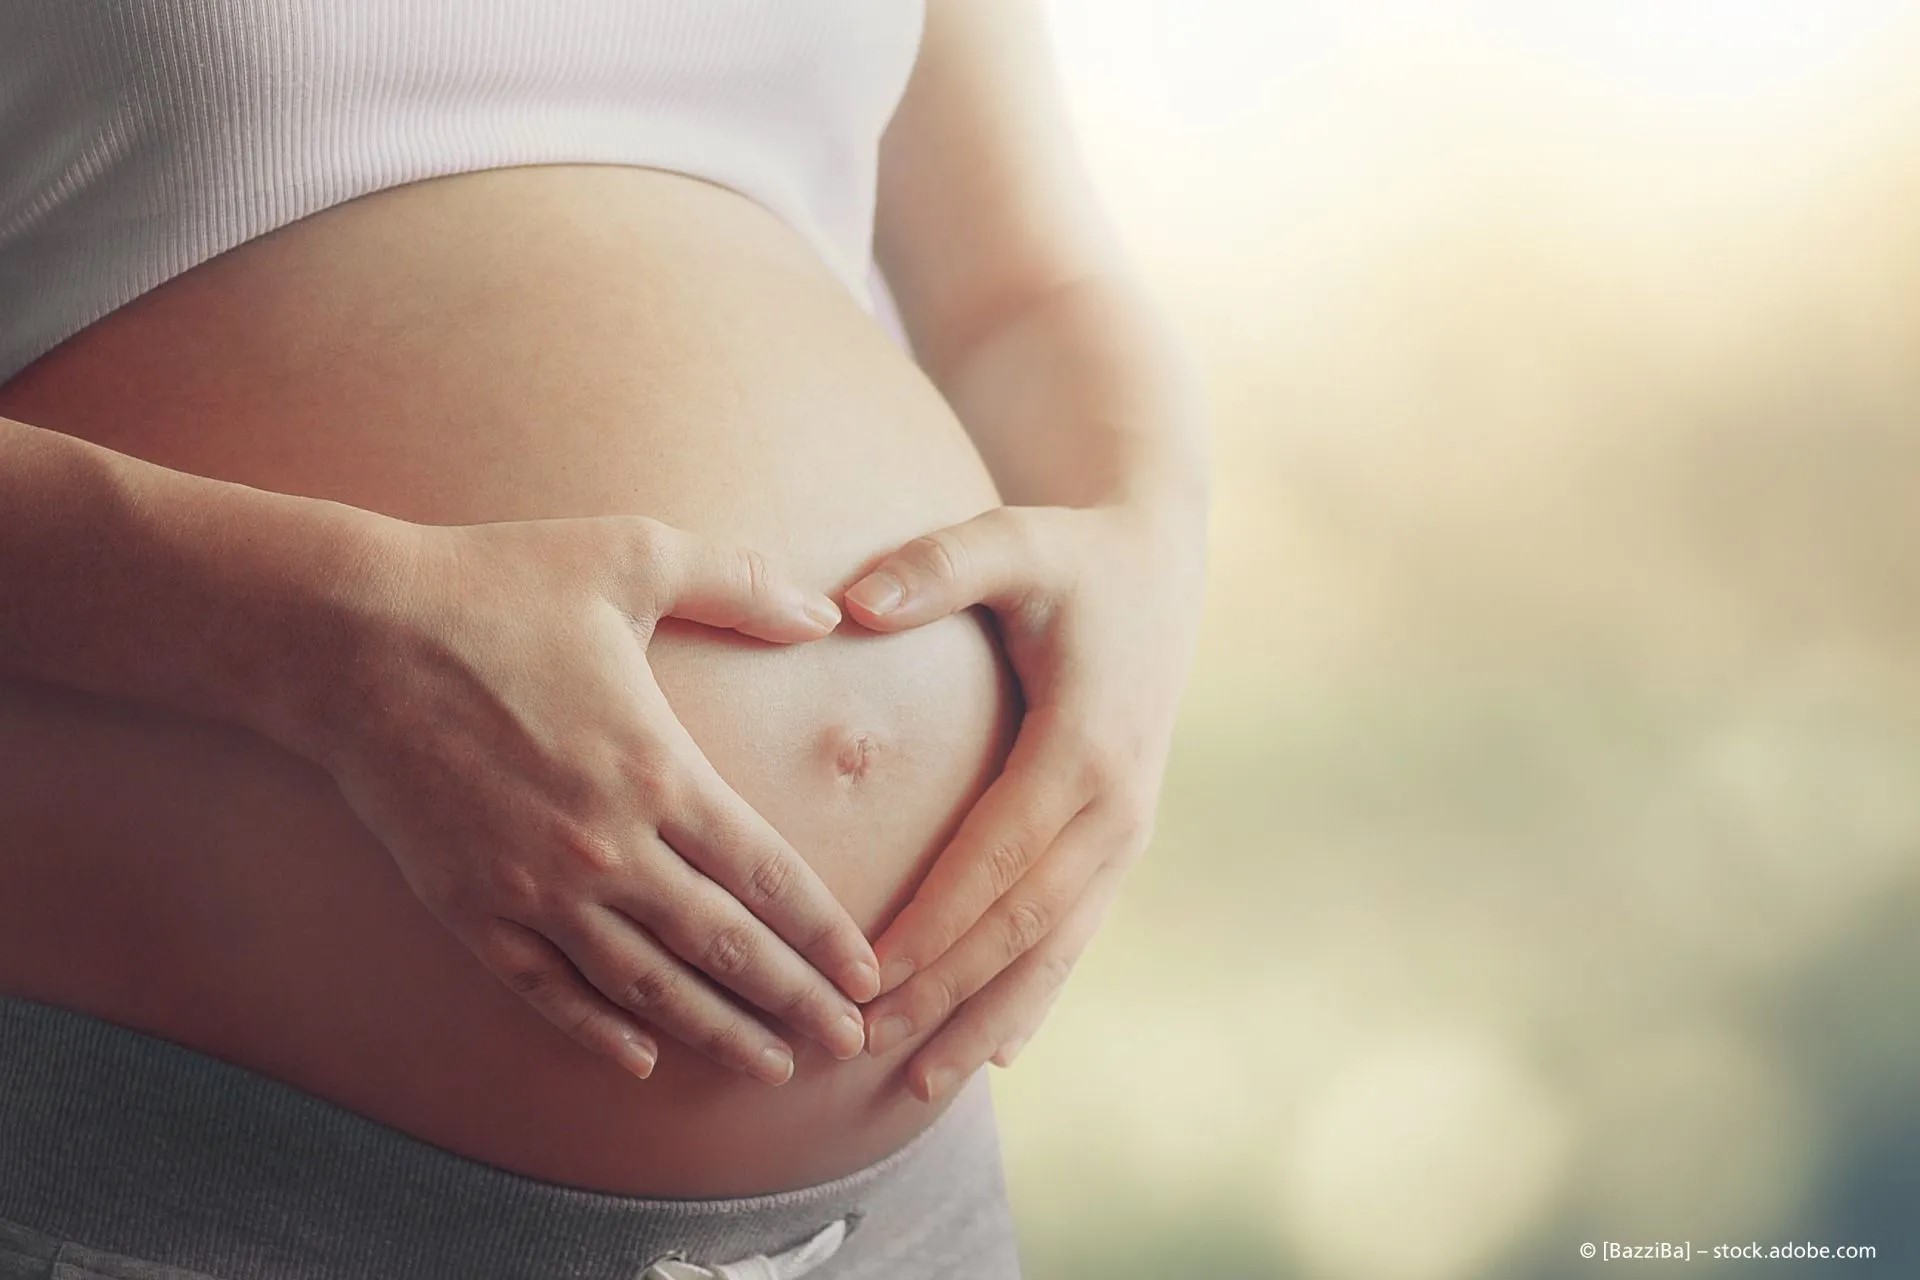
column 126, row 1142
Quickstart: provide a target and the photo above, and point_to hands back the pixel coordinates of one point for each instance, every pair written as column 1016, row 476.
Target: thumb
column 985, row 560
column 724, row 584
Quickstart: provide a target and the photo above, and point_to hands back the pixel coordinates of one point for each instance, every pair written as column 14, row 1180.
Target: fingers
column 708, row 929
column 723, row 584
column 707, row 823
column 541, row 974
column 999, row 841
column 990, row 559
column 637, row 974
column 728, row 841
column 1007, row 1012
column 1015, row 924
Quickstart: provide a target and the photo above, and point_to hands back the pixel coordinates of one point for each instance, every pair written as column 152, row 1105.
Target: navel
column 853, row 756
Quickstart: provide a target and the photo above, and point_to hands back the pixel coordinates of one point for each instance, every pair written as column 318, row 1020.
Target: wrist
column 348, row 602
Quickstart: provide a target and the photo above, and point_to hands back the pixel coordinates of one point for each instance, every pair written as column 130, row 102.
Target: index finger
column 994, row 1025
column 707, row 823
column 1014, row 822
column 727, row 840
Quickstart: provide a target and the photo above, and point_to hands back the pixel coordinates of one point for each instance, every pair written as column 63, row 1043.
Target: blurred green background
column 1539, row 861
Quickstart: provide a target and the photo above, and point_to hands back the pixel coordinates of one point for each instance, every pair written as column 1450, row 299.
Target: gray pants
column 127, row 1157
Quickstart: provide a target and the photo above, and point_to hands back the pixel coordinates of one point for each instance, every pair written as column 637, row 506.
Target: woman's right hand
column 503, row 736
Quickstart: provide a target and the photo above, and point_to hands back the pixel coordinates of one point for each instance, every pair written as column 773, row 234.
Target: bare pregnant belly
column 513, row 344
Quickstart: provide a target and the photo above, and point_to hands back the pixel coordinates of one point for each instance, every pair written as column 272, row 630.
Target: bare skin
column 675, row 353
column 560, row 405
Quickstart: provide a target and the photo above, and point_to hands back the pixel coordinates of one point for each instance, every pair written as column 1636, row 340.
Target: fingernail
column 849, row 1037
column 775, row 1065
column 877, row 592
column 862, row 982
column 939, row 1080
column 886, row 1033
column 636, row 1058
column 823, row 613
column 894, row 972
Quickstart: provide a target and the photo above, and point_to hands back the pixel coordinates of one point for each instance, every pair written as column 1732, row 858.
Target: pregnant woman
column 537, row 738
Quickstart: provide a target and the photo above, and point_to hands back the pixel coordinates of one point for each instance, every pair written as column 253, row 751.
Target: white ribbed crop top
column 139, row 138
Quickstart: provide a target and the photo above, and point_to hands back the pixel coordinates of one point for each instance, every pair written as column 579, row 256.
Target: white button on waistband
column 789, row 1264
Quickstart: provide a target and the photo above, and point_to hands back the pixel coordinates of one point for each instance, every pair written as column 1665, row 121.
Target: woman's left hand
column 1098, row 607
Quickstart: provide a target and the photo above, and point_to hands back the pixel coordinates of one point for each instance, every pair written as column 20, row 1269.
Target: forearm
column 1080, row 397
column 133, row 580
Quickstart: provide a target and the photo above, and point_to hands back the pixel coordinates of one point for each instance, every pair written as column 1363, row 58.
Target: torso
column 508, row 344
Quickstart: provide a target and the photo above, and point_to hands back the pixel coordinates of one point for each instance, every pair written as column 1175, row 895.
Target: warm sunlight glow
column 1537, row 857
column 1697, row 50
column 1198, row 67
